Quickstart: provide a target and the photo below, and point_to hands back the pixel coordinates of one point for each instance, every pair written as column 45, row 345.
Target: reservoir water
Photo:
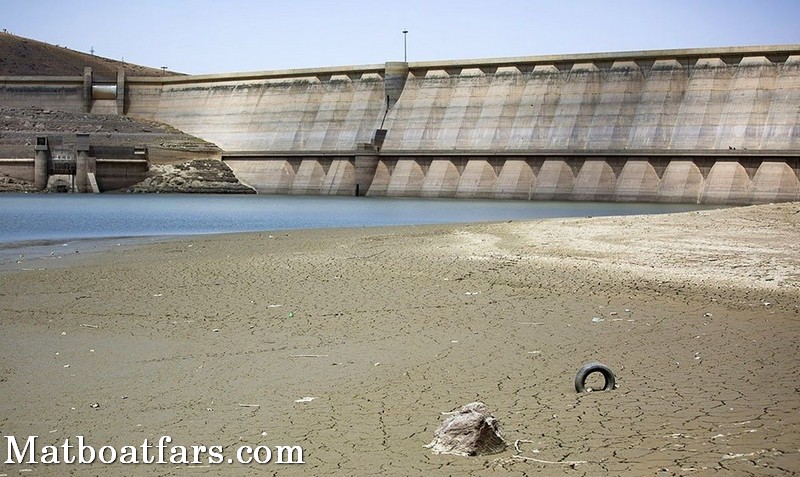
column 59, row 217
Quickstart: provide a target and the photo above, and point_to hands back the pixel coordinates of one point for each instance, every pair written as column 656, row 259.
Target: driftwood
column 470, row 431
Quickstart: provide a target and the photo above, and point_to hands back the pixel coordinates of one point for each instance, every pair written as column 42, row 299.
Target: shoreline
column 176, row 215
column 696, row 312
column 28, row 255
column 590, row 248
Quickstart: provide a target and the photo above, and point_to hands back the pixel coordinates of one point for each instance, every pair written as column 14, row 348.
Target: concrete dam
column 716, row 125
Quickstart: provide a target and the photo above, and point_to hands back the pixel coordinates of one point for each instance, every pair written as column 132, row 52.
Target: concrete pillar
column 406, row 178
column 638, row 182
column 441, row 179
column 380, row 181
column 91, row 175
column 555, row 180
column 267, row 176
column 727, row 183
column 477, row 180
column 81, row 171
column 681, row 182
column 309, row 177
column 40, row 163
column 121, row 92
column 82, row 164
column 394, row 79
column 595, row 181
column 340, row 178
column 366, row 166
column 515, row 180
column 775, row 181
column 87, row 90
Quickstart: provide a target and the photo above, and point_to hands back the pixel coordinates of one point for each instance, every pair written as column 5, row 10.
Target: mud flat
column 214, row 340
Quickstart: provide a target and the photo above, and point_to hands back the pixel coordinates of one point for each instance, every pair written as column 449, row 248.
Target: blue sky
column 216, row 36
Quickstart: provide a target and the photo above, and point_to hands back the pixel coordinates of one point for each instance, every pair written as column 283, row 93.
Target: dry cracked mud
column 697, row 313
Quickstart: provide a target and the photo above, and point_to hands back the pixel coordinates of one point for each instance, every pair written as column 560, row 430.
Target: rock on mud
column 199, row 176
column 470, row 431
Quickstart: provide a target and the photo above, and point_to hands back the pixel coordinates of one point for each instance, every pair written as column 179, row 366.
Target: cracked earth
column 220, row 340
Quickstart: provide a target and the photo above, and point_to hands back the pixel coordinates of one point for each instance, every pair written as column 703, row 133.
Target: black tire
column 594, row 367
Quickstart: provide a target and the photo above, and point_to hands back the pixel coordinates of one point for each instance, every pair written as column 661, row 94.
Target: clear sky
column 222, row 36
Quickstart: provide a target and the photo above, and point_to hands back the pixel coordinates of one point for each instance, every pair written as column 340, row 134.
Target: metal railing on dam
column 716, row 125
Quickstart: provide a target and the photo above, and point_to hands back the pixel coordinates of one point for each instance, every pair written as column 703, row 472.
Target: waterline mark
column 28, row 451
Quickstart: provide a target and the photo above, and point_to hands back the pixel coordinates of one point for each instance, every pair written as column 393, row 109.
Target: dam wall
column 75, row 94
column 719, row 125
column 329, row 110
column 616, row 105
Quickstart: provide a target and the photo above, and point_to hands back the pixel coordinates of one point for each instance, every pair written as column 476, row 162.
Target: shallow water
column 58, row 217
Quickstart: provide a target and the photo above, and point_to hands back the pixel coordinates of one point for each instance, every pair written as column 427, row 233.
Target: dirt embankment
column 205, row 176
column 20, row 127
column 26, row 57
column 12, row 184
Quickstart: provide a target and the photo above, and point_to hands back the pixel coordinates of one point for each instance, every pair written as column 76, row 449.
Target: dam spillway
column 718, row 125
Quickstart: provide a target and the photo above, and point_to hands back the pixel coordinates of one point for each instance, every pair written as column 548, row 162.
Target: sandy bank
column 386, row 328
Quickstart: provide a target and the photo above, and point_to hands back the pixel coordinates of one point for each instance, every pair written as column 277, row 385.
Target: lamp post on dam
column 405, row 46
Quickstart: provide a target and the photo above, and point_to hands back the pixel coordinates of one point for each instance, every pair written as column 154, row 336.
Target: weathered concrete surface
column 441, row 180
column 515, row 180
column 298, row 113
column 694, row 104
column 696, row 125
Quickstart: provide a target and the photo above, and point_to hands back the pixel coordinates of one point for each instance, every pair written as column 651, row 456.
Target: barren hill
column 25, row 57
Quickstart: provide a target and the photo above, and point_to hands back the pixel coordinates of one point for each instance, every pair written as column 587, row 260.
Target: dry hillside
column 25, row 57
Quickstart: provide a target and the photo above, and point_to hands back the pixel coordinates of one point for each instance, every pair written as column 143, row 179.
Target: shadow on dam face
column 668, row 180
